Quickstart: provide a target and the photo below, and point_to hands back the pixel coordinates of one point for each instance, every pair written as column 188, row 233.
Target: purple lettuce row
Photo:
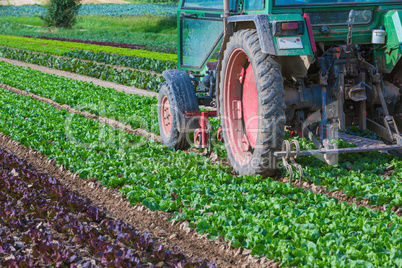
column 28, row 187
column 43, row 248
column 112, row 254
column 111, row 44
column 20, row 262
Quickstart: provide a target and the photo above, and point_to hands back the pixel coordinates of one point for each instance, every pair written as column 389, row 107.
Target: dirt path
column 95, row 81
column 42, row 2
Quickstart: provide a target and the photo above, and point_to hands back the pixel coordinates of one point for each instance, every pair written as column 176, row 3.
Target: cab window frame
column 184, row 7
column 377, row 2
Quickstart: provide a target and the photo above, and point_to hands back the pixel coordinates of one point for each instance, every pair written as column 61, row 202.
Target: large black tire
column 271, row 105
column 180, row 101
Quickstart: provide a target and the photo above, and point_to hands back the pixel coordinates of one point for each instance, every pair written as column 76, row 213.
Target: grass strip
column 96, row 48
column 284, row 223
column 35, row 47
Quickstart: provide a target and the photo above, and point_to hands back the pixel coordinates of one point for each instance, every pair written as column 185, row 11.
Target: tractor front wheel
column 173, row 102
column 252, row 105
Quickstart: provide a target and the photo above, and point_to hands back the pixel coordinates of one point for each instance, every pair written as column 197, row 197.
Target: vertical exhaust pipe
column 226, row 8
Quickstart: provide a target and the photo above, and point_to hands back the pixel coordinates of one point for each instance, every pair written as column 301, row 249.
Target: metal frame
column 206, row 9
column 339, row 151
column 344, row 24
column 181, row 44
column 338, row 4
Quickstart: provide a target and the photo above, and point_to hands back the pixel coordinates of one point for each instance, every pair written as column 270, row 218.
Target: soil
column 360, row 141
column 95, row 81
column 41, row 2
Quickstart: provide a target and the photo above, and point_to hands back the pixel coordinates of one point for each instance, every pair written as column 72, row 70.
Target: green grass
column 157, row 32
column 138, row 24
column 34, row 21
column 21, row 42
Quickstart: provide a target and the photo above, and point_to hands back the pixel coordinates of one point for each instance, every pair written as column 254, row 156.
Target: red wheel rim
column 166, row 116
column 240, row 106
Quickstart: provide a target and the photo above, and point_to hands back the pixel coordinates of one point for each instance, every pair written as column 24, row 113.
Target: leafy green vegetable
column 137, row 111
column 128, row 77
column 96, row 48
column 288, row 224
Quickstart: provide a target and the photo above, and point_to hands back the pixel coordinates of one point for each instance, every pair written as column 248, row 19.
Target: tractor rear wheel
column 252, row 105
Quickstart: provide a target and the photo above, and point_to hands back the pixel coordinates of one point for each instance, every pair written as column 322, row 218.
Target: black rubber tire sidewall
column 176, row 139
column 271, row 100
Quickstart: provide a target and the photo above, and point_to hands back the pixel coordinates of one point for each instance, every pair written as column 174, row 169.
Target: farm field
column 86, row 179
column 105, row 23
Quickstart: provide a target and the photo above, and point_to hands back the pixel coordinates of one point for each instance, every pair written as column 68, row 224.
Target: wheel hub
column 240, row 106
column 166, row 116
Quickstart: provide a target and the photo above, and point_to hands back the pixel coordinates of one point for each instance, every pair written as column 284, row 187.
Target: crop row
column 111, row 44
column 34, row 47
column 153, row 41
column 145, row 64
column 128, row 77
column 140, row 63
column 19, row 41
column 136, row 111
column 274, row 219
column 363, row 181
column 112, row 243
column 102, row 10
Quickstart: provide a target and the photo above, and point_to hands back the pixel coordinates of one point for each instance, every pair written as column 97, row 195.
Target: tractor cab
column 313, row 67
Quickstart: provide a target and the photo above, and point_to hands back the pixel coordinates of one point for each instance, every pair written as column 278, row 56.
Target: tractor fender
column 261, row 22
column 185, row 98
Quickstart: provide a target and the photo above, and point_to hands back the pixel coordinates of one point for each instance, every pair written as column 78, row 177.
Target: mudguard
column 185, row 98
column 261, row 22
column 389, row 56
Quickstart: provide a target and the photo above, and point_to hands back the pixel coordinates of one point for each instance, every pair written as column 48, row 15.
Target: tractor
column 264, row 67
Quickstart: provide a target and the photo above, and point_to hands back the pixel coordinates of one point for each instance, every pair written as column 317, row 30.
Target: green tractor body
column 314, row 67
column 201, row 28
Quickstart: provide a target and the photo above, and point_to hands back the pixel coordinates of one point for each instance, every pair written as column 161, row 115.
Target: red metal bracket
column 191, row 114
column 306, row 16
column 201, row 135
column 219, row 135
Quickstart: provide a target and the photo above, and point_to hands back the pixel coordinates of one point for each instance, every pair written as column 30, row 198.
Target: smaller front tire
column 171, row 114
